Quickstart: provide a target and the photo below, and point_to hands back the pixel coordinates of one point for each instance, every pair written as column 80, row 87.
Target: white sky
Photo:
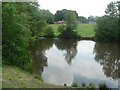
column 83, row 7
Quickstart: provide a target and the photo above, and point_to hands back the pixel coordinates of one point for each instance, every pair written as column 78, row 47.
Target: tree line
column 61, row 15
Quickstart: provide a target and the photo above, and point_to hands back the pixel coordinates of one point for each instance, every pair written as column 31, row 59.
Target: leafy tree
column 15, row 34
column 36, row 20
column 48, row 16
column 21, row 23
column 111, row 9
column 82, row 19
column 71, row 24
column 107, row 29
column 107, row 26
column 61, row 14
column 48, row 32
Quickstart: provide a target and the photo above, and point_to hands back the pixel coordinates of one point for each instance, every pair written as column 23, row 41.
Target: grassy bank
column 83, row 30
column 13, row 77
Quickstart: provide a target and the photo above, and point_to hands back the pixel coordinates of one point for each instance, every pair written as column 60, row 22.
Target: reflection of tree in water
column 38, row 52
column 107, row 54
column 69, row 46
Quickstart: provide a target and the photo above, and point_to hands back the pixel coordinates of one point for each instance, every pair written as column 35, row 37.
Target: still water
column 62, row 62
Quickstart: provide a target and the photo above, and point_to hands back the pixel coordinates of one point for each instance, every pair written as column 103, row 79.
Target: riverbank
column 83, row 30
column 13, row 77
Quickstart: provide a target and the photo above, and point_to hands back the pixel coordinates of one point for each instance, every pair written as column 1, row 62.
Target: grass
column 83, row 30
column 86, row 30
column 13, row 77
column 55, row 29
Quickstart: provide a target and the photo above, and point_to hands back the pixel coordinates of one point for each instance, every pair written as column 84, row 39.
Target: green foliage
column 49, row 17
column 48, row 32
column 108, row 26
column 82, row 30
column 103, row 87
column 21, row 24
column 15, row 35
column 65, row 84
column 82, row 19
column 68, row 30
column 111, row 9
column 36, row 20
column 61, row 14
column 107, row 29
column 74, row 84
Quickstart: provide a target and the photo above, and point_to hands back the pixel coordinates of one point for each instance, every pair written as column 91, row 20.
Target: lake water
column 62, row 62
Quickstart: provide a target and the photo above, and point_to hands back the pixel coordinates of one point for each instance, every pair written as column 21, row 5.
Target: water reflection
column 107, row 54
column 65, row 61
column 38, row 52
column 69, row 46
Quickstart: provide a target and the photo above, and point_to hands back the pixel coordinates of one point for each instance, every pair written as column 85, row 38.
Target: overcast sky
column 83, row 7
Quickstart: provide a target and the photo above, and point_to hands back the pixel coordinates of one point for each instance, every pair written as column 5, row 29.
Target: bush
column 103, row 87
column 66, row 32
column 74, row 84
column 48, row 32
column 107, row 29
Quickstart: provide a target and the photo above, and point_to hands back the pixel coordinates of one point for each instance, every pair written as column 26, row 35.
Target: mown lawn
column 13, row 77
column 86, row 30
column 83, row 30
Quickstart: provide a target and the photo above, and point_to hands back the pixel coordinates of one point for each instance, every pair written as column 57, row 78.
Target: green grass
column 13, row 77
column 55, row 29
column 83, row 30
column 86, row 30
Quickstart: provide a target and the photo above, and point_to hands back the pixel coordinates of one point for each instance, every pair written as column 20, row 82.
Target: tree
column 112, row 9
column 68, row 30
column 21, row 23
column 49, row 17
column 36, row 20
column 107, row 26
column 82, row 19
column 107, row 29
column 16, row 35
column 61, row 14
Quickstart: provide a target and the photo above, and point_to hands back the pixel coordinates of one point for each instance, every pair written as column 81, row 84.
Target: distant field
column 84, row 30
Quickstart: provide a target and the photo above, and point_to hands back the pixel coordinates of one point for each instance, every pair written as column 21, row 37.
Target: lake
column 62, row 61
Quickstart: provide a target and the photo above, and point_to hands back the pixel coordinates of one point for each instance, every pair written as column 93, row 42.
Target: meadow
column 83, row 30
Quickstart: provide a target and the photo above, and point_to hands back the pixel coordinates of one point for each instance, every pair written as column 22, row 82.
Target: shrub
column 103, row 87
column 106, row 29
column 74, row 84
column 66, row 32
column 48, row 32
